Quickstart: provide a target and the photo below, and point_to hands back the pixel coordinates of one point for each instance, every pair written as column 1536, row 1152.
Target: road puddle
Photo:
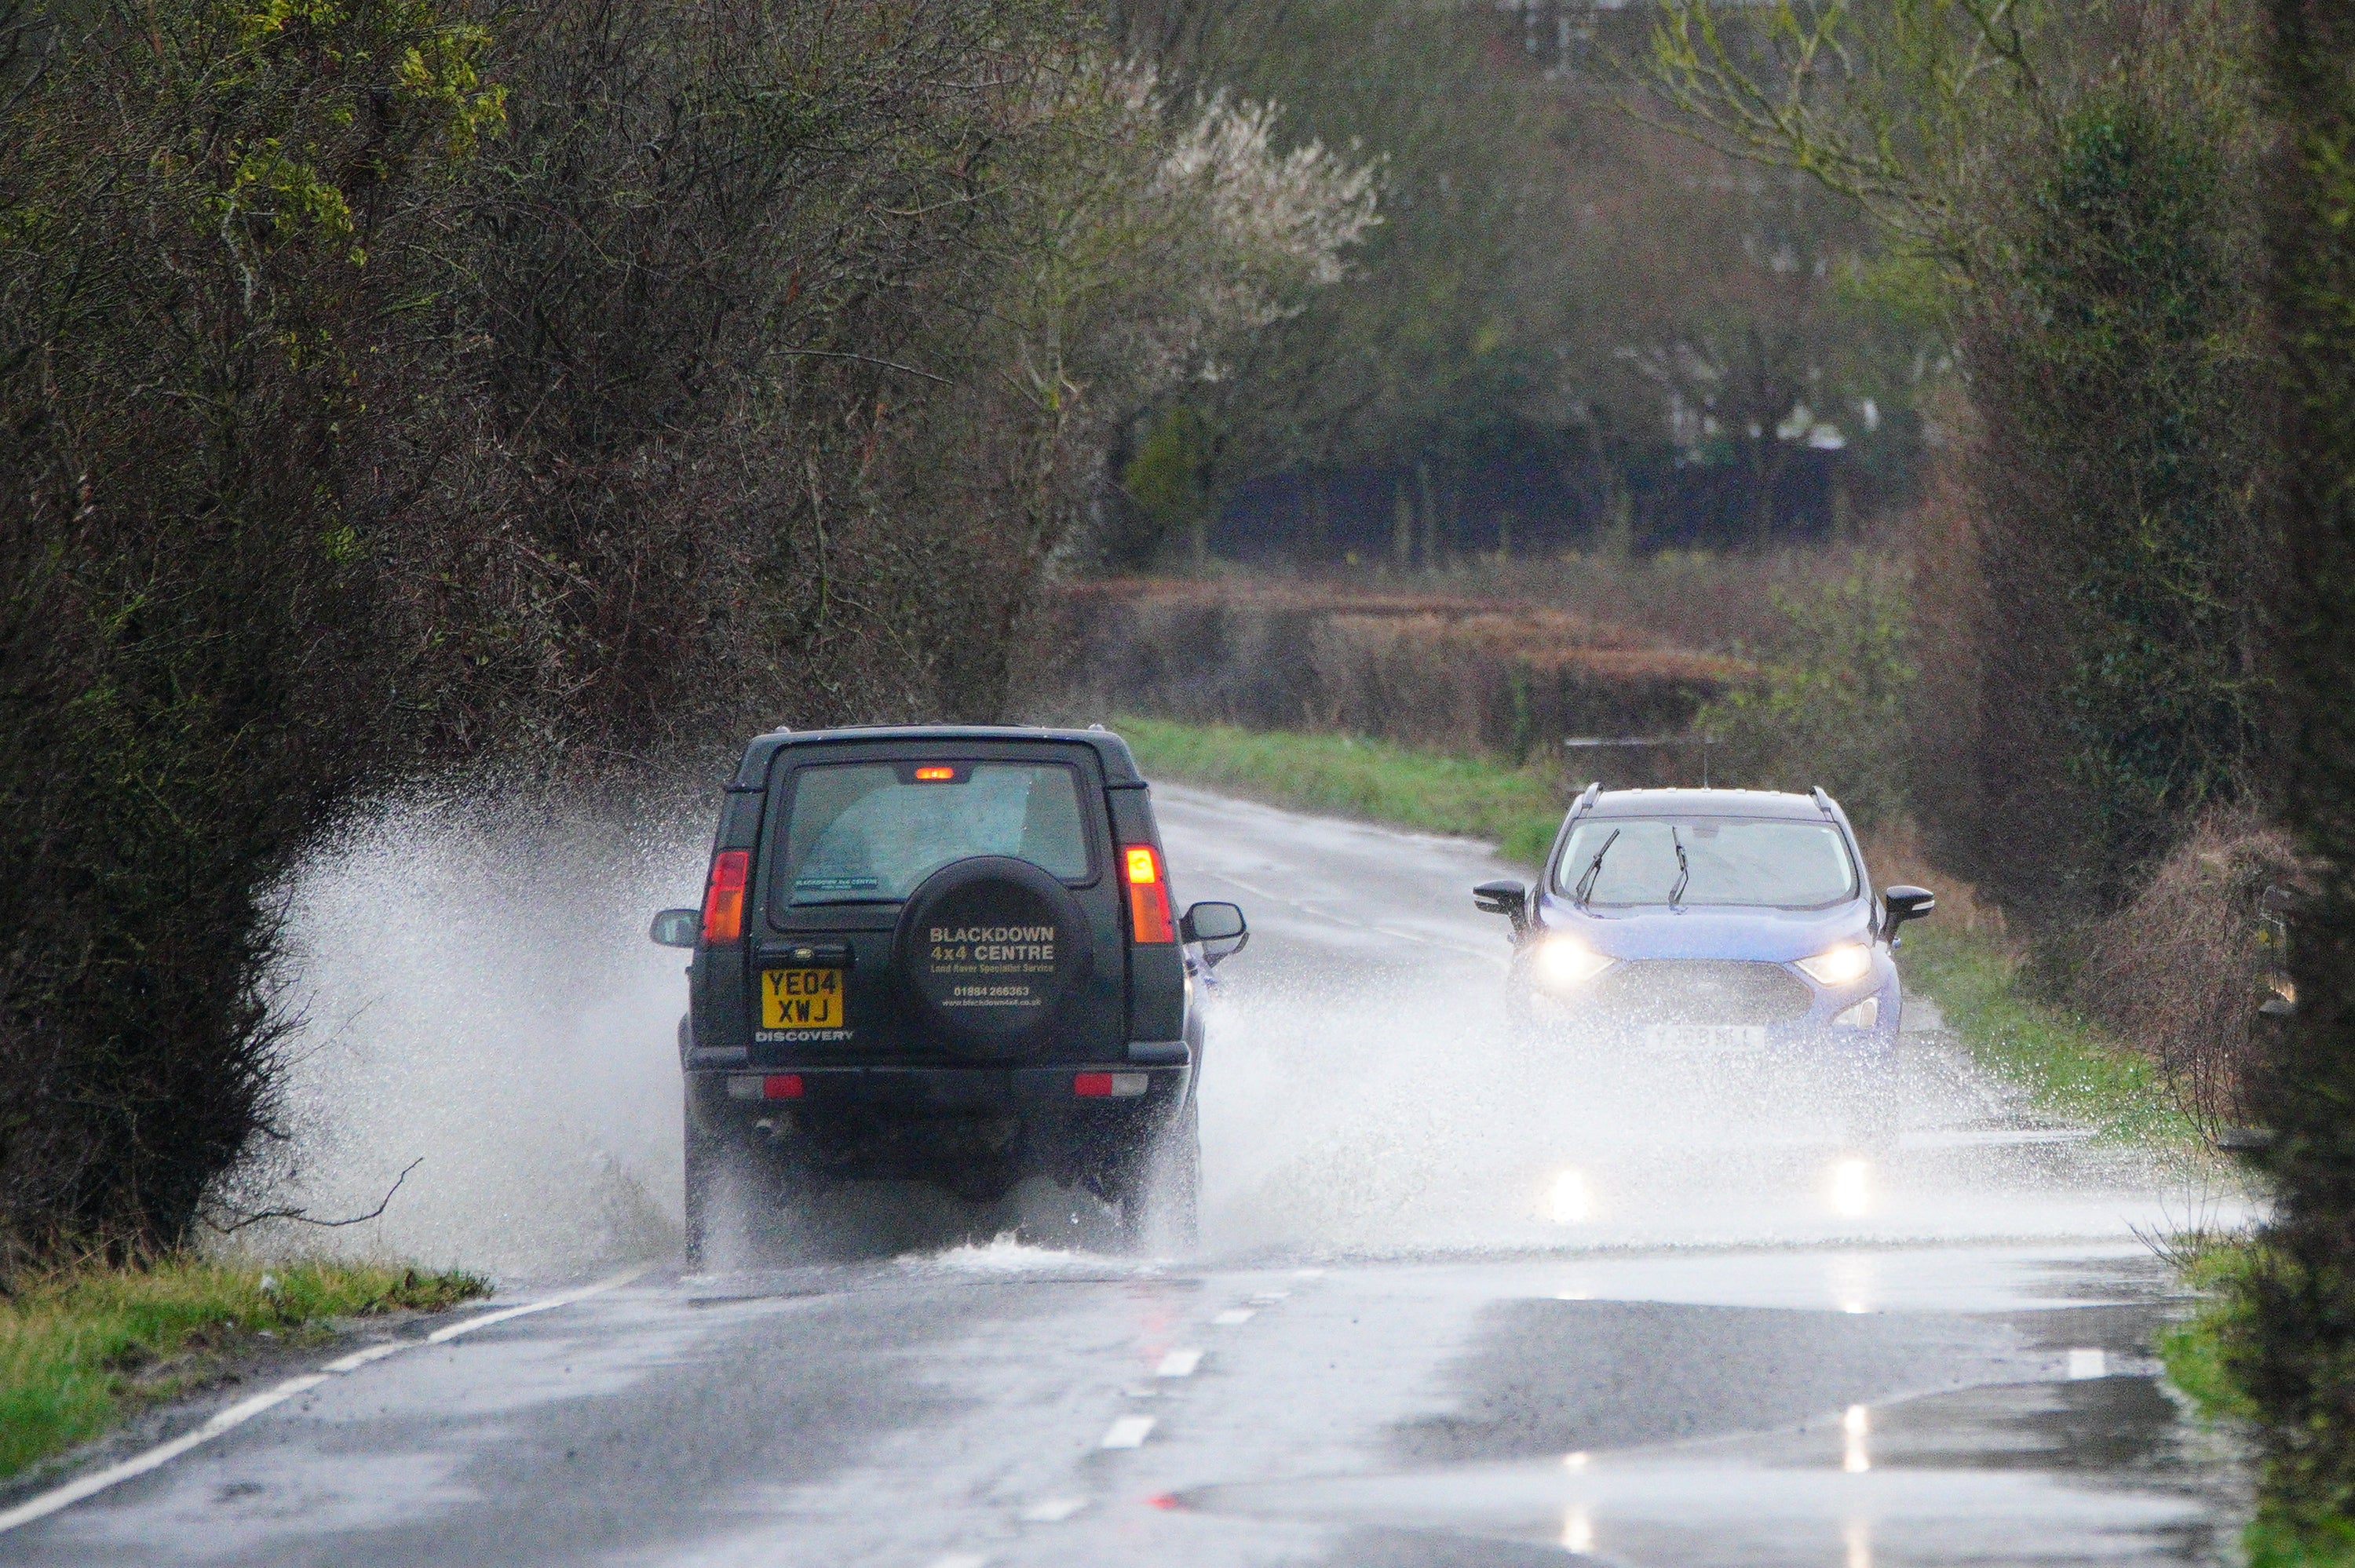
column 2097, row 1470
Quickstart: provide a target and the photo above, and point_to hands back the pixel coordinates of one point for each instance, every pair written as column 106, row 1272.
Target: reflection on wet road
column 1462, row 1301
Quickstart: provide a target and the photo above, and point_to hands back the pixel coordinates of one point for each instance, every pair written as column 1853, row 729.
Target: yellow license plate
column 800, row 999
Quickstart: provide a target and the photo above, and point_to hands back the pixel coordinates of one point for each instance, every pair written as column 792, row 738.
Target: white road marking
column 245, row 1410
column 1178, row 1363
column 1128, row 1431
column 961, row 1560
column 1054, row 1510
column 1232, row 1315
column 359, row 1359
column 1269, row 1297
column 2088, row 1363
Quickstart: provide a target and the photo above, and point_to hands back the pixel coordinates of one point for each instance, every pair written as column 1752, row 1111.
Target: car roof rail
column 1823, row 801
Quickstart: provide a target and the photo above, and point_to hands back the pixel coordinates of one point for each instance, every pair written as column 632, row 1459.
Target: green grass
column 1516, row 809
column 2071, row 1068
column 2194, row 1352
column 84, row 1347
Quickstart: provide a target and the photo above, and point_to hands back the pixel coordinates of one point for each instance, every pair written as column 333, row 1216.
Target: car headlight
column 1838, row 966
column 1565, row 962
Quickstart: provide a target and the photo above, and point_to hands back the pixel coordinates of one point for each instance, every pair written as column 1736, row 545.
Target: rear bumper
column 945, row 1123
column 1043, row 1099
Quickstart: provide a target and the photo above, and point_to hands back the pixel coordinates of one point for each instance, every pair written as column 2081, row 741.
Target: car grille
column 1686, row 991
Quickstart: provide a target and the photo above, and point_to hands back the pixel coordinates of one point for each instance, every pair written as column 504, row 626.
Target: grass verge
column 2072, row 1070
column 2195, row 1353
column 1517, row 808
column 81, row 1348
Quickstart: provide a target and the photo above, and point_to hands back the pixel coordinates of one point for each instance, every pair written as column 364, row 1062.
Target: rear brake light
column 723, row 897
column 782, row 1086
column 935, row 775
column 1148, row 896
column 1108, row 1086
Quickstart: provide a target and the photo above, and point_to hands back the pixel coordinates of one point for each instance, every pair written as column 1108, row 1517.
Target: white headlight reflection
column 1564, row 963
column 1855, row 1428
column 1841, row 964
column 1578, row 1530
column 1569, row 1203
column 1851, row 1187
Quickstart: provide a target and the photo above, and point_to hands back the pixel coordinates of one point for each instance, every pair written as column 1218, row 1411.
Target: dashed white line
column 245, row 1410
column 1178, row 1363
column 1128, row 1431
column 961, row 1560
column 1054, row 1510
column 2088, row 1363
column 1232, row 1315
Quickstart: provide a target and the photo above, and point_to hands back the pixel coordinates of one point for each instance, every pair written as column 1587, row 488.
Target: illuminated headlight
column 1838, row 966
column 1863, row 1016
column 1565, row 962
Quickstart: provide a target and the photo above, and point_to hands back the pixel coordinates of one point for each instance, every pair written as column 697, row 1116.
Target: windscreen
column 870, row 832
column 1727, row 860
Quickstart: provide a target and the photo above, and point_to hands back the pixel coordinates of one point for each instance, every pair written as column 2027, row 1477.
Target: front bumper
column 1647, row 1001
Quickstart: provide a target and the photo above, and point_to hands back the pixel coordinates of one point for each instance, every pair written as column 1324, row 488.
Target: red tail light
column 723, row 897
column 782, row 1086
column 1148, row 896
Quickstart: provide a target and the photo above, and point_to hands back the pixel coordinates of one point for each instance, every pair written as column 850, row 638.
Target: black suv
column 947, row 955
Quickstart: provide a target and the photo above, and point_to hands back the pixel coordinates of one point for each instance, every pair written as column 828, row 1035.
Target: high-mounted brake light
column 1148, row 896
column 723, row 897
column 935, row 775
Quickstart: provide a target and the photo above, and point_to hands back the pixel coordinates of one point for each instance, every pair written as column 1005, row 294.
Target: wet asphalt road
column 1456, row 1305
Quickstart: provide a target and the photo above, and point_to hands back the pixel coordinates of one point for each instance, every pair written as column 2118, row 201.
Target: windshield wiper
column 1684, row 868
column 1594, row 869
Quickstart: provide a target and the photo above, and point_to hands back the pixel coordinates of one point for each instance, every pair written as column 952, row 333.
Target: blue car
column 1707, row 920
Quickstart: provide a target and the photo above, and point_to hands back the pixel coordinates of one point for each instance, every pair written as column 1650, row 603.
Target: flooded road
column 1462, row 1299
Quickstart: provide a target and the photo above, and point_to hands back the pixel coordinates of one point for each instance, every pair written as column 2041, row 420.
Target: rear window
column 1727, row 860
column 863, row 832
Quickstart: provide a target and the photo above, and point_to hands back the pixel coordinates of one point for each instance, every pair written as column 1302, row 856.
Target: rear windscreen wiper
column 1594, row 867
column 1684, row 869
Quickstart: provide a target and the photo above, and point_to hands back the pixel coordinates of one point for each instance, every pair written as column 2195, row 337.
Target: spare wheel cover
column 987, row 952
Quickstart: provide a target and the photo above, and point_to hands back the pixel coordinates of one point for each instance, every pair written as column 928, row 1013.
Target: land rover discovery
column 948, row 955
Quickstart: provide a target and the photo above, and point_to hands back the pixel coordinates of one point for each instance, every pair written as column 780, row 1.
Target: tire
column 1181, row 1203
column 738, row 1201
column 704, row 1175
column 1160, row 1193
column 987, row 952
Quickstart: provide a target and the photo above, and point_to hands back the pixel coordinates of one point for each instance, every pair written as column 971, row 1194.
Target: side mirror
column 1907, row 903
column 678, row 927
column 1509, row 899
column 1218, row 928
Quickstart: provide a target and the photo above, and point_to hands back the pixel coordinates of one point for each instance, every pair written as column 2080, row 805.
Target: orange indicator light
column 1149, row 918
column 723, row 897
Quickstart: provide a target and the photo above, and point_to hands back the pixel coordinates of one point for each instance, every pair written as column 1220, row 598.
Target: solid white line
column 236, row 1414
column 563, row 1298
column 1178, row 1363
column 245, row 1410
column 1128, row 1431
